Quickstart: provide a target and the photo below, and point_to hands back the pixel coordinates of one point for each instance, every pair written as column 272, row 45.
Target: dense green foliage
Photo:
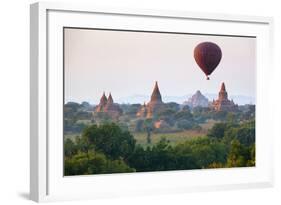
column 193, row 154
column 175, row 117
column 109, row 139
column 93, row 163
column 106, row 145
column 108, row 148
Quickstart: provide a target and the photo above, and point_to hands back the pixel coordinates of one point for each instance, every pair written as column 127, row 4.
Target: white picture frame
column 47, row 182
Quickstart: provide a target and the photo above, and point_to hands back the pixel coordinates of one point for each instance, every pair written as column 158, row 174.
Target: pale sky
column 128, row 63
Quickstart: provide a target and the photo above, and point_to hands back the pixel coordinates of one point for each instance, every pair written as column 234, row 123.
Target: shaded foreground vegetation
column 108, row 148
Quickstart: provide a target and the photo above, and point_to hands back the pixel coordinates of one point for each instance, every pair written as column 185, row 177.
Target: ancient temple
column 142, row 111
column 223, row 103
column 155, row 103
column 197, row 100
column 108, row 106
column 102, row 103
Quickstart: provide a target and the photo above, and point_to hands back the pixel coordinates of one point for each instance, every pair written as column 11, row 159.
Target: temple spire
column 223, row 87
column 103, row 99
column 223, row 103
column 198, row 92
column 223, row 93
column 156, row 96
column 110, row 99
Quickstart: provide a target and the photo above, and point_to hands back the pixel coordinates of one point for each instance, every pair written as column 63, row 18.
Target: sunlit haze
column 128, row 64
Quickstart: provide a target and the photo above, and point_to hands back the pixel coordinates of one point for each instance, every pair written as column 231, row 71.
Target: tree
column 238, row 155
column 130, row 110
column 165, row 112
column 204, row 151
column 216, row 165
column 186, row 108
column 110, row 139
column 148, row 138
column 184, row 124
column 184, row 115
column 72, row 106
column 246, row 135
column 94, row 163
column 70, row 148
column 139, row 125
column 172, row 106
column 161, row 157
column 140, row 159
column 252, row 161
column 148, row 128
column 217, row 131
column 219, row 115
column 231, row 118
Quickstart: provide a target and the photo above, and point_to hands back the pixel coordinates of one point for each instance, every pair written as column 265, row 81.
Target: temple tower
column 223, row 93
column 101, row 105
column 108, row 106
column 223, row 103
column 110, row 99
column 153, row 105
column 156, row 95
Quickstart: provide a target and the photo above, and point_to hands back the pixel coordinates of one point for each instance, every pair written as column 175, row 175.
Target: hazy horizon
column 140, row 99
column 128, row 63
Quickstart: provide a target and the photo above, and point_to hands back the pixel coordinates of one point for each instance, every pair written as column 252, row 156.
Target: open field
column 173, row 138
column 208, row 125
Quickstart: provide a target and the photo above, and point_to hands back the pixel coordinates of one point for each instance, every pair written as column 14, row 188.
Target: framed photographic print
column 127, row 102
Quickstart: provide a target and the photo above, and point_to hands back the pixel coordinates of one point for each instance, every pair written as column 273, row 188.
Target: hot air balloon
column 207, row 55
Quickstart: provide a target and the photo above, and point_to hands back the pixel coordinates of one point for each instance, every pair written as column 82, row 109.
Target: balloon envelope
column 207, row 55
